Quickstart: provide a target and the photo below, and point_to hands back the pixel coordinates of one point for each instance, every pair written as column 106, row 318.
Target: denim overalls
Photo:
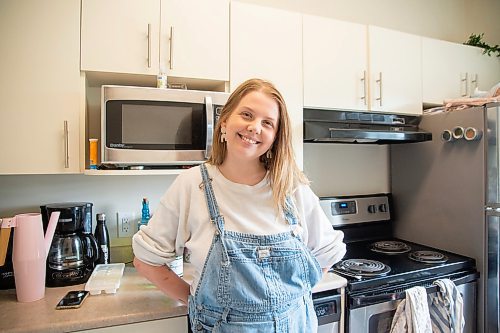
column 252, row 283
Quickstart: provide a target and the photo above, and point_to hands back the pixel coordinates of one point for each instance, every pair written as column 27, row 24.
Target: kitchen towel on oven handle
column 446, row 308
column 412, row 313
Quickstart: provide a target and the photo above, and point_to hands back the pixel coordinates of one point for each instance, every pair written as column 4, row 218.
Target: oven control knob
column 372, row 209
column 382, row 208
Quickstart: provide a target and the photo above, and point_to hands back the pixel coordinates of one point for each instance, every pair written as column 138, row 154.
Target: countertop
column 137, row 300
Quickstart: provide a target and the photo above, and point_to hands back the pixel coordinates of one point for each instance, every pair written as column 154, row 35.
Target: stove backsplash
column 336, row 169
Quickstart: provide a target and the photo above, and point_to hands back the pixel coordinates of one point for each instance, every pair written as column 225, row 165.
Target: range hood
column 334, row 126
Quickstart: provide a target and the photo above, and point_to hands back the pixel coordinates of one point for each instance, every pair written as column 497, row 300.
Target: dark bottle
column 102, row 236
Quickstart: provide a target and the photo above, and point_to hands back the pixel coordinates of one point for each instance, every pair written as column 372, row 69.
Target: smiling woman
column 248, row 223
column 249, row 133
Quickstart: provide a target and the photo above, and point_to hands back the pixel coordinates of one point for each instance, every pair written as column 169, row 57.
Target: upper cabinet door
column 194, row 39
column 395, row 70
column 41, row 95
column 267, row 43
column 452, row 70
column 443, row 71
column 483, row 70
column 335, row 64
column 120, row 36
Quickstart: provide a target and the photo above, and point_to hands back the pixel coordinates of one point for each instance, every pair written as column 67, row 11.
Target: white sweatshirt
column 181, row 223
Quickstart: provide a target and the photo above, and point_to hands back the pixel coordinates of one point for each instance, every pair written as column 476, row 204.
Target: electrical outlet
column 127, row 224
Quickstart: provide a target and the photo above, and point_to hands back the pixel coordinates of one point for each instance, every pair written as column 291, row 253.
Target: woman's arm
column 166, row 280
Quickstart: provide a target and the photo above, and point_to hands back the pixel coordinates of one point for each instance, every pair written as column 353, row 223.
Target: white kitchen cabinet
column 181, row 38
column 452, row 70
column 395, row 83
column 41, row 87
column 335, row 64
column 357, row 67
column 483, row 70
column 194, row 39
column 120, row 36
column 267, row 43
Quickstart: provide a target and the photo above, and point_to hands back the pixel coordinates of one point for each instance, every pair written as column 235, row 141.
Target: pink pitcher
column 30, row 250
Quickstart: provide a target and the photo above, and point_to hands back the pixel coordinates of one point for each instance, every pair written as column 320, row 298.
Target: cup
column 93, row 153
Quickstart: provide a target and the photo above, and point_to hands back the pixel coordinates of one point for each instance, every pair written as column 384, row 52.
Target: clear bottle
column 145, row 212
column 101, row 235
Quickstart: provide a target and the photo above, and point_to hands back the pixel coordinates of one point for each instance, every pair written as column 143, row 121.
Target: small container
column 472, row 134
column 105, row 278
column 458, row 132
column 93, row 153
column 161, row 80
column 447, row 136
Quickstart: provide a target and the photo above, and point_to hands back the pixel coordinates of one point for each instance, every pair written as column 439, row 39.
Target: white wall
column 109, row 194
column 452, row 20
column 339, row 169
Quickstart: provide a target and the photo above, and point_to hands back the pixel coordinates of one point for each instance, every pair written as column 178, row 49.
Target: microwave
column 143, row 126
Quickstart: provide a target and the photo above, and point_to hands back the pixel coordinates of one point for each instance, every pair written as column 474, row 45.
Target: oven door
column 377, row 317
column 328, row 309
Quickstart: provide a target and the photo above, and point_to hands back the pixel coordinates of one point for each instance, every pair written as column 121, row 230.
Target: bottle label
column 104, row 250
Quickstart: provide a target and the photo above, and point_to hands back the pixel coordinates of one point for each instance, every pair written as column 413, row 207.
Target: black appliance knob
column 372, row 209
column 382, row 208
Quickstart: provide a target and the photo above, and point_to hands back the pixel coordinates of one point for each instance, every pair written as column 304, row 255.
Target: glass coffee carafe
column 73, row 253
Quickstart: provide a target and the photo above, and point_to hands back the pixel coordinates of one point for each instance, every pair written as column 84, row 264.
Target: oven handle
column 210, row 125
column 365, row 300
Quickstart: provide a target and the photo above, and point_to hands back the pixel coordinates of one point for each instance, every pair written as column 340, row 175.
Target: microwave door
column 209, row 107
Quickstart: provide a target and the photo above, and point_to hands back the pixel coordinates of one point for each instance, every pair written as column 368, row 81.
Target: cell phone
column 72, row 300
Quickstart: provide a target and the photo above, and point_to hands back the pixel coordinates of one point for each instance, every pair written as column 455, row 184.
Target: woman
column 248, row 223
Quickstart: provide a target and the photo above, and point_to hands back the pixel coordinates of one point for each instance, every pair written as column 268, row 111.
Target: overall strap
column 290, row 212
column 213, row 207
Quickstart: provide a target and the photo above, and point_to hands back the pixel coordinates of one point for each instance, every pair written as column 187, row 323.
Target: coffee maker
column 73, row 252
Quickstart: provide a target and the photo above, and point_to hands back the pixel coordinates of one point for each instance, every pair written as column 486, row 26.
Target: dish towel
column 412, row 314
column 447, row 308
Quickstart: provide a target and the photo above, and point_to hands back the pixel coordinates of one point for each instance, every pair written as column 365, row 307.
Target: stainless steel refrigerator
column 446, row 194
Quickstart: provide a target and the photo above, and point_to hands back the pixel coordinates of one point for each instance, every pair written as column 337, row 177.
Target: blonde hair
column 284, row 174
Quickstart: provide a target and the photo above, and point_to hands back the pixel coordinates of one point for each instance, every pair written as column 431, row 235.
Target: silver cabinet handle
column 473, row 84
column 149, row 45
column 364, row 88
column 66, row 145
column 171, row 44
column 466, row 83
column 379, row 81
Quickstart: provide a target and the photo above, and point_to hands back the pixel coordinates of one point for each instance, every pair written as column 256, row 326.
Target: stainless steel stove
column 379, row 267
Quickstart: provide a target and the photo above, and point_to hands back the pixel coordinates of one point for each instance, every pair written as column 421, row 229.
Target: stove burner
column 390, row 247
column 362, row 267
column 428, row 257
